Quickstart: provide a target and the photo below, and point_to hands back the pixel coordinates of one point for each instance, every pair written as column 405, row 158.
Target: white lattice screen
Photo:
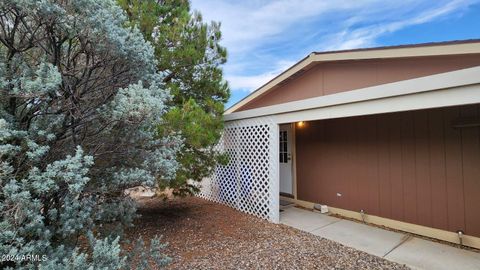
column 250, row 181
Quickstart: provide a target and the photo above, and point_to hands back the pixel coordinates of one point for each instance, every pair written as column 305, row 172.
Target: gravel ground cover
column 206, row 235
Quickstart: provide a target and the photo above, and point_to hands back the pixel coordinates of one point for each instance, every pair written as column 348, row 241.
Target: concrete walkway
column 414, row 252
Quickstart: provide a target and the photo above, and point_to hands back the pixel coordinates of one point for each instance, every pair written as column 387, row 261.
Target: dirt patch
column 206, row 235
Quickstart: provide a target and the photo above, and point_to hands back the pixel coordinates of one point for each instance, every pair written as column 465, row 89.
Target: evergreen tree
column 79, row 95
column 190, row 56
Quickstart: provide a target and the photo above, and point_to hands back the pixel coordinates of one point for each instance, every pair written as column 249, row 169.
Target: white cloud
column 249, row 83
column 366, row 36
column 247, row 24
column 260, row 35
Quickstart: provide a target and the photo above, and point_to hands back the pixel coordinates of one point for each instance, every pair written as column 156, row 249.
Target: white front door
column 285, row 155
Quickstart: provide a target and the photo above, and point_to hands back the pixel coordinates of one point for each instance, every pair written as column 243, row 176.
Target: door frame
column 294, row 157
column 293, row 164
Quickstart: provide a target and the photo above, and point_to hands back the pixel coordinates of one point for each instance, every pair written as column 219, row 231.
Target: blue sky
column 265, row 37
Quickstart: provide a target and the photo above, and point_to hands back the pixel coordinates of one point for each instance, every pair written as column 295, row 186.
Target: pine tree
column 189, row 54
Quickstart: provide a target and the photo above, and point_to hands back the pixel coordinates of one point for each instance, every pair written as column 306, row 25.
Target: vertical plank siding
column 329, row 78
column 416, row 166
column 471, row 173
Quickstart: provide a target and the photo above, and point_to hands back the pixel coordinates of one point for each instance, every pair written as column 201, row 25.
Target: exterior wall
column 334, row 77
column 410, row 166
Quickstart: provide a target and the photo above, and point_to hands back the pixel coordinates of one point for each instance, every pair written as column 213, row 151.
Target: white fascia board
column 462, row 95
column 385, row 53
column 445, row 80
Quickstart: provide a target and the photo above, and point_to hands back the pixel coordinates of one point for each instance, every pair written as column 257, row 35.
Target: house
column 388, row 134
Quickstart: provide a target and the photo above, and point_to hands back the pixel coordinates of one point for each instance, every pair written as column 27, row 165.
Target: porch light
column 300, row 124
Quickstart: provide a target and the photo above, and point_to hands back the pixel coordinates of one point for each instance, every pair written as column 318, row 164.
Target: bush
column 79, row 97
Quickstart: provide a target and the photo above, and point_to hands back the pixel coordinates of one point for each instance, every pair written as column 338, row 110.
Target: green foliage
column 79, row 95
column 200, row 132
column 198, row 127
column 189, row 54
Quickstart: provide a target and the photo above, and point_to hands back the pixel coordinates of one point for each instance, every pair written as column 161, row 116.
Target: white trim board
column 463, row 95
column 448, row 236
column 440, row 90
column 379, row 53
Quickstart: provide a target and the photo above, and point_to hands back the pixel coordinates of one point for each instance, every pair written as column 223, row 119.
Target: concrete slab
column 422, row 254
column 305, row 220
column 285, row 203
column 362, row 237
column 398, row 247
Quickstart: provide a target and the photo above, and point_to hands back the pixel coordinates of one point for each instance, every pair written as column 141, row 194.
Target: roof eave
column 418, row 50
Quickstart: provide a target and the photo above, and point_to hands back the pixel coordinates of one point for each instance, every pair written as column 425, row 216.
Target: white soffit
column 445, row 81
column 379, row 53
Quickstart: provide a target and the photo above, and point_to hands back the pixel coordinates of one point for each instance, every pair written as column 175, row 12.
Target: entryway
column 285, row 160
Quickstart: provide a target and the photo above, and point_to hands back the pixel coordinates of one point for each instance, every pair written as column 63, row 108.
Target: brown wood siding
column 411, row 166
column 335, row 77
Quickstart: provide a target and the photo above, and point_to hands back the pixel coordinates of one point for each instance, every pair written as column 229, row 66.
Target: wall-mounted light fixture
column 301, row 124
